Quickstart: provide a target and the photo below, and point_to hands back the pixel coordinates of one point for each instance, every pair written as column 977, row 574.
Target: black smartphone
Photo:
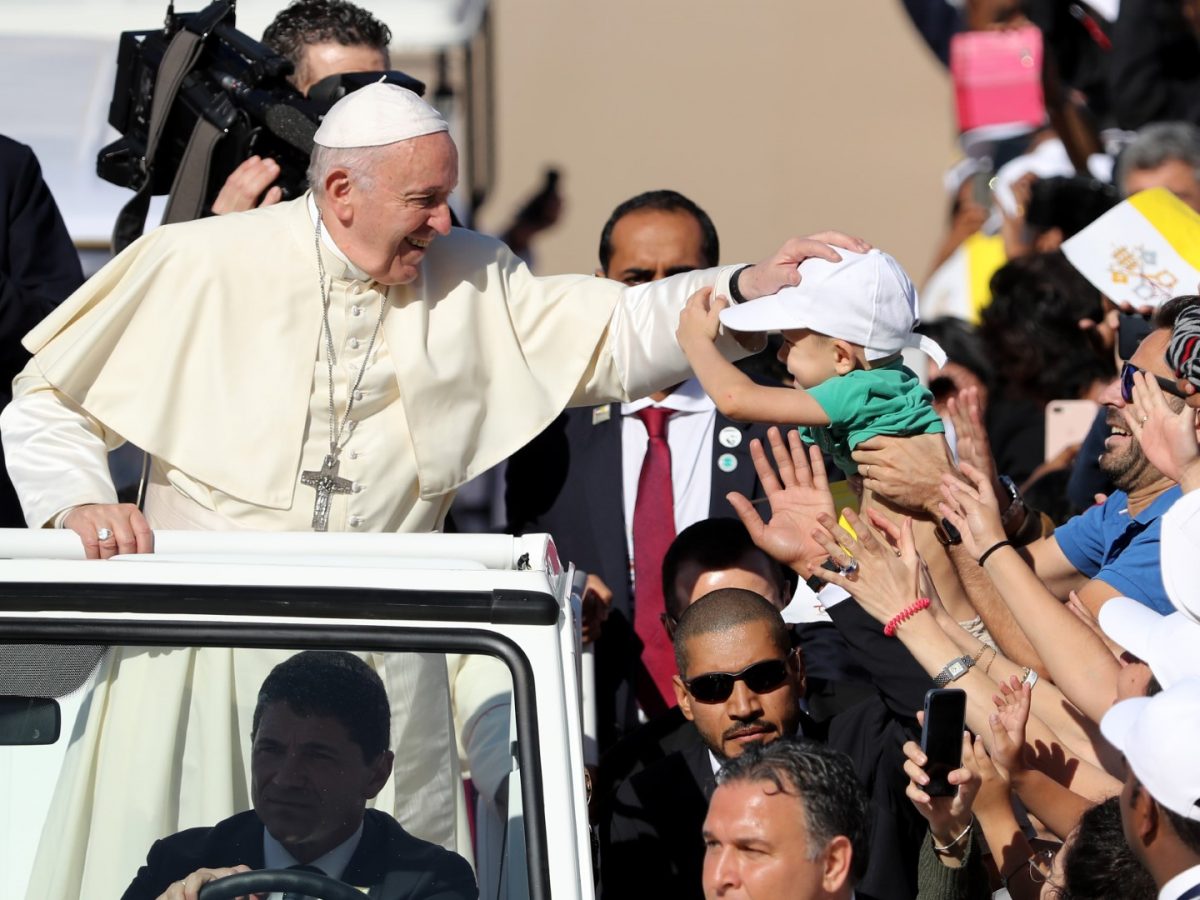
column 941, row 737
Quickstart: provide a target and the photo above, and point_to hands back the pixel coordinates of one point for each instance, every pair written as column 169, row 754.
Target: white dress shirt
column 690, row 436
column 1179, row 885
column 333, row 863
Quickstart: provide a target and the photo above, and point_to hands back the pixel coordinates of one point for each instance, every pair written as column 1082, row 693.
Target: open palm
column 798, row 494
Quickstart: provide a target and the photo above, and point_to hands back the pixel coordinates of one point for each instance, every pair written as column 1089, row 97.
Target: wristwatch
column 953, row 670
column 1016, row 503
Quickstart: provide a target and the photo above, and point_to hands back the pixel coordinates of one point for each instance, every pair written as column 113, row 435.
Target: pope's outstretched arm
column 645, row 355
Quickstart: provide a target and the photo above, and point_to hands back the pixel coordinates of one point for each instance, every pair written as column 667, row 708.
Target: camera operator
column 320, row 38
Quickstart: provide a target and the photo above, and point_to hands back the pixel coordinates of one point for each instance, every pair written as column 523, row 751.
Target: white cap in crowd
column 1158, row 736
column 378, row 114
column 866, row 299
column 1180, row 550
column 1169, row 645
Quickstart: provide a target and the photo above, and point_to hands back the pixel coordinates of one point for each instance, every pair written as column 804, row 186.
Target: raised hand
column 972, row 443
column 798, row 495
column 1008, row 724
column 972, row 509
column 1168, row 438
column 883, row 580
column 700, row 318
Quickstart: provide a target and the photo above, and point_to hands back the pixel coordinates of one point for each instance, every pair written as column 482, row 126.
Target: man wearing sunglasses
column 740, row 683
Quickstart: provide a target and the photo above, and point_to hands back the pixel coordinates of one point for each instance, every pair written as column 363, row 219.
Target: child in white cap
column 843, row 327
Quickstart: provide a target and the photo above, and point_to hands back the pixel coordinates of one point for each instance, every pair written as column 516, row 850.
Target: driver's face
column 308, row 781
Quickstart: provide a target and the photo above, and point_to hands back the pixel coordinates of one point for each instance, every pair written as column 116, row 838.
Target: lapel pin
column 601, row 414
column 730, row 436
column 727, row 462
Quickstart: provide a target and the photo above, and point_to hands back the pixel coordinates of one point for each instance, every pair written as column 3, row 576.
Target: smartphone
column 1067, row 423
column 941, row 738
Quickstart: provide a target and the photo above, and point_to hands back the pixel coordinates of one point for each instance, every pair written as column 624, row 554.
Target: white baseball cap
column 1158, row 736
column 378, row 114
column 1169, row 645
column 866, row 298
column 1179, row 550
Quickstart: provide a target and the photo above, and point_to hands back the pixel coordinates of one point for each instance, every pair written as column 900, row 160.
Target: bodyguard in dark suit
column 39, row 268
column 319, row 753
column 571, row 480
column 742, row 684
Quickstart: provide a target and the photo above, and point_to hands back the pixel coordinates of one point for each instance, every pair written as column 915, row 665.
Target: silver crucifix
column 326, row 483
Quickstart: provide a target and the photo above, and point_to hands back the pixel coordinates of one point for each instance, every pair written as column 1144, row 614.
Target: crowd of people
column 786, row 549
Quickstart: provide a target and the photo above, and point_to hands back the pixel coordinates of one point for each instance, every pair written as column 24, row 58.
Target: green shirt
column 869, row 402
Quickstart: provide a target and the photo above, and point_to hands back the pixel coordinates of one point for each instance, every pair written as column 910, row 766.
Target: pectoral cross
column 326, row 483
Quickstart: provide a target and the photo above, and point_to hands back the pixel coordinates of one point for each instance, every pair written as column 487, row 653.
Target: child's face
column 811, row 358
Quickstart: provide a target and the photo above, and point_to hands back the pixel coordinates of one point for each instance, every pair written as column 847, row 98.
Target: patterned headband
column 1183, row 354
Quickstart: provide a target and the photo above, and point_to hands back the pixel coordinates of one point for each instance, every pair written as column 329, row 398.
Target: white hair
column 360, row 162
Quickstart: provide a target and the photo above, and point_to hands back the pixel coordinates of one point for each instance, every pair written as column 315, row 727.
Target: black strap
column 179, row 59
column 191, row 180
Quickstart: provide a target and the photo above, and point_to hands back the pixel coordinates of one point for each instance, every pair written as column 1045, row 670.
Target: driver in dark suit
column 319, row 752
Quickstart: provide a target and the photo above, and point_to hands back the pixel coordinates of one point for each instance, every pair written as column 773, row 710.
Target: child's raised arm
column 734, row 393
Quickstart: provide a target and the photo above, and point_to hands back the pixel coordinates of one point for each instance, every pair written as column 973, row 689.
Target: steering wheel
column 266, row 881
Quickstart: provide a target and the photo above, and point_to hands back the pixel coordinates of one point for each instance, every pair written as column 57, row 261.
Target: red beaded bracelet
column 904, row 615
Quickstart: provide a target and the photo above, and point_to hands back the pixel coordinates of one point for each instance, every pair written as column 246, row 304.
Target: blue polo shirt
column 1122, row 551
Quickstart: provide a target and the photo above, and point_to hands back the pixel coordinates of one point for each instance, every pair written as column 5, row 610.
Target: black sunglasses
column 760, row 677
column 1128, row 370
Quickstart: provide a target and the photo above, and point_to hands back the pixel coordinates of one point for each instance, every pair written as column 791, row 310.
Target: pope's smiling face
column 389, row 217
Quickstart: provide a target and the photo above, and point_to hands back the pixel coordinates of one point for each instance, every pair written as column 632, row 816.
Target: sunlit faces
column 387, row 218
column 756, row 847
column 308, row 781
column 649, row 244
column 745, row 717
column 1122, row 459
column 810, row 358
column 319, row 61
column 1175, row 175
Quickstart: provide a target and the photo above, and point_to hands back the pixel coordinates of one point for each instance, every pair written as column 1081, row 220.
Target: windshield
column 129, row 768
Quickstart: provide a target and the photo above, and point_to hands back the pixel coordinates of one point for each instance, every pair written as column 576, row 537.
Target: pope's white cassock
column 202, row 344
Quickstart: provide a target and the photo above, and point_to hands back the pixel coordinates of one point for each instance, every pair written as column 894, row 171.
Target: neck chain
column 337, row 429
column 326, row 481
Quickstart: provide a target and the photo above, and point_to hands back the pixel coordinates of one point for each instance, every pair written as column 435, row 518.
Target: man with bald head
column 740, row 683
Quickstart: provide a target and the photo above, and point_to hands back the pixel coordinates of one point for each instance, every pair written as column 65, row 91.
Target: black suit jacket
column 568, row 482
column 395, row 864
column 651, row 838
column 39, row 268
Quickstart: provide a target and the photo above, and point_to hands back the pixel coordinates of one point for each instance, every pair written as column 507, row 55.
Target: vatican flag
column 1143, row 251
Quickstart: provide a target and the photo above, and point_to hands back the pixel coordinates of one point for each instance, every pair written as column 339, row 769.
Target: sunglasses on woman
column 1128, row 370
column 761, row 677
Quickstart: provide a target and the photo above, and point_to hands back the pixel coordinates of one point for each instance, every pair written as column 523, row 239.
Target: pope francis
column 343, row 361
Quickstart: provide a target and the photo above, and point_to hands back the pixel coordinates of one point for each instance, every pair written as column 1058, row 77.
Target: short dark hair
column 715, row 544
column 1099, row 862
column 336, row 684
column 1167, row 314
column 823, row 781
column 724, row 609
column 663, row 201
column 305, row 22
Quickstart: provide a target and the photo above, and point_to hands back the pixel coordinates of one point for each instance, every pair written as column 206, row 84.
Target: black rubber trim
column 340, row 637
column 500, row 607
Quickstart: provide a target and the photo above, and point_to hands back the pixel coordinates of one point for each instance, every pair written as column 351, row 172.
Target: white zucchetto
column 378, row 114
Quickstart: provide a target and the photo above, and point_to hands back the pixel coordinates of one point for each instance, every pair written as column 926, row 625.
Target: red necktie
column 653, row 531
